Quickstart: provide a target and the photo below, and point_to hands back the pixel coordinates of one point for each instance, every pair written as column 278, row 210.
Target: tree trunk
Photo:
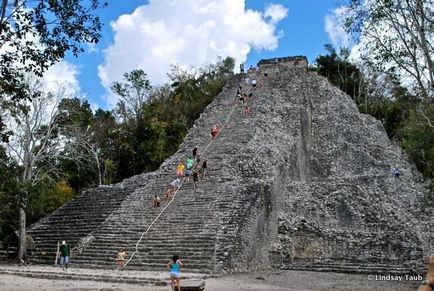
column 24, row 193
column 22, row 236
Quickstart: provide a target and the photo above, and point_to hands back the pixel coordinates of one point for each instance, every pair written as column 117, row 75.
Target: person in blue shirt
column 175, row 268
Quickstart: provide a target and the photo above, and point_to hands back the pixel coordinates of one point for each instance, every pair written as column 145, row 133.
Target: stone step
column 189, row 281
column 188, row 227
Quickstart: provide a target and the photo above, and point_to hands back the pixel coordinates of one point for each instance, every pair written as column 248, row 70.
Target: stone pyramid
column 303, row 182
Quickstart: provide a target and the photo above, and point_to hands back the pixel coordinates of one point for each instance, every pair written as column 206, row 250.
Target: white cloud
column 276, row 12
column 92, row 48
column 186, row 32
column 333, row 27
column 62, row 74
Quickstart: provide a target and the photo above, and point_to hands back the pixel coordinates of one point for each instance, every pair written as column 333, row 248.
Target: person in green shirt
column 189, row 163
column 64, row 255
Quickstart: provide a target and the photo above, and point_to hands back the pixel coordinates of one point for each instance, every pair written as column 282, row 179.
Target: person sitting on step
column 396, row 172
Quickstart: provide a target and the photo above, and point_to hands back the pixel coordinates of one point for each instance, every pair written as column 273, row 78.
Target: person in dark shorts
column 195, row 178
column 203, row 169
column 194, row 152
column 156, row 201
column 188, row 175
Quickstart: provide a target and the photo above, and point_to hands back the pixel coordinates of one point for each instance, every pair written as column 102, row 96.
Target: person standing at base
column 175, row 267
column 64, row 255
column 120, row 258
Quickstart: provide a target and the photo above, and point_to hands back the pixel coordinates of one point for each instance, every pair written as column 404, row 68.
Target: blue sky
column 301, row 32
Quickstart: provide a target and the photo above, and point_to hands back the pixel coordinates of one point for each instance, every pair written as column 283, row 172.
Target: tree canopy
column 396, row 36
column 34, row 35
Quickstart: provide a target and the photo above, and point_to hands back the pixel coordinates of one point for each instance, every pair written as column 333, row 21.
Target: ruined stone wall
column 314, row 187
column 338, row 202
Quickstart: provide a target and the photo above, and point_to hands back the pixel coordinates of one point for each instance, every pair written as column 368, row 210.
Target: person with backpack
column 194, row 152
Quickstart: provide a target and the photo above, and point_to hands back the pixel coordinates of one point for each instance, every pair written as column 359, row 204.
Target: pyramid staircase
column 110, row 218
column 301, row 183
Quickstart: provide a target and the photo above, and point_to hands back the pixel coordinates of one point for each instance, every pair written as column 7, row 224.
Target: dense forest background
column 75, row 148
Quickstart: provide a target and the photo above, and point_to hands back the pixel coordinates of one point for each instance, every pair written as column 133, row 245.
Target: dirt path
column 269, row 281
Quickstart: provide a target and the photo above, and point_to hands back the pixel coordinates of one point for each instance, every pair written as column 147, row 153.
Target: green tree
column 36, row 34
column 134, row 92
column 9, row 207
column 396, row 36
column 343, row 74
